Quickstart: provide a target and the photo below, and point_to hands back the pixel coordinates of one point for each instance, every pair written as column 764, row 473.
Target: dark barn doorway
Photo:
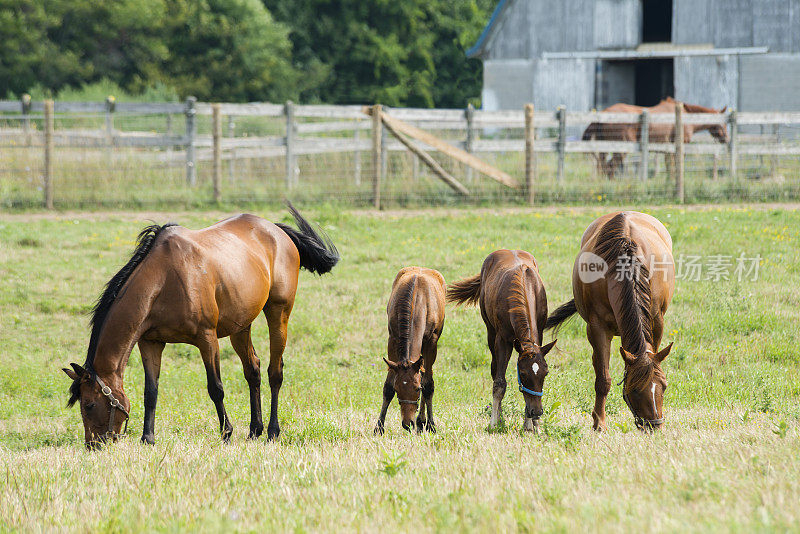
column 653, row 81
column 656, row 21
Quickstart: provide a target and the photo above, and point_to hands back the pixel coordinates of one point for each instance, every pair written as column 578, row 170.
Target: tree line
column 395, row 52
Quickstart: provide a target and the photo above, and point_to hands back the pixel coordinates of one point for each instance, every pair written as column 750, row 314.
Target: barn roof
column 477, row 48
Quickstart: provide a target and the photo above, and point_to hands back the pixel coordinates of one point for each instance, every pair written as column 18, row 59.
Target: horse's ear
column 663, row 353
column 392, row 365
column 79, row 371
column 70, row 373
column 417, row 365
column 547, row 347
column 629, row 358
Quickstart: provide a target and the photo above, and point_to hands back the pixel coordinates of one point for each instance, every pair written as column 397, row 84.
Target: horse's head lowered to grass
column 408, row 385
column 531, row 372
column 104, row 411
column 643, row 387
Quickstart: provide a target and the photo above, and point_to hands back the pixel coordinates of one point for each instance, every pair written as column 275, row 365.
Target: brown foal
column 622, row 283
column 513, row 306
column 416, row 318
column 196, row 286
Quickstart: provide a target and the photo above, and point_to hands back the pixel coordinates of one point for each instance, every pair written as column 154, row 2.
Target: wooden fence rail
column 321, row 129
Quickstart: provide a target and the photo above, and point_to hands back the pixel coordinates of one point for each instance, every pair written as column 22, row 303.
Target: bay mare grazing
column 622, row 283
column 659, row 132
column 195, row 286
column 416, row 319
column 513, row 306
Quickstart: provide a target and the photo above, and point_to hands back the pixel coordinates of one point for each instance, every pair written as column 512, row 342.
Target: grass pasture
column 728, row 457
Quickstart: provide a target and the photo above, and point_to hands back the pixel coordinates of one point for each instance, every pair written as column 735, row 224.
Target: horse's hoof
column 256, row 431
column 149, row 439
column 430, row 427
column 378, row 430
column 273, row 432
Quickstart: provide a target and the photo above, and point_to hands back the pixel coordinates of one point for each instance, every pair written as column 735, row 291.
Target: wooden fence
column 341, row 128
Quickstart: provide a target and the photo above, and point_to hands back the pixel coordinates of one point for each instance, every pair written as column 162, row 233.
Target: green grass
column 725, row 460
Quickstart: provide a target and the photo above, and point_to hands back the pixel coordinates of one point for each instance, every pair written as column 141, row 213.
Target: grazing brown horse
column 660, row 132
column 622, row 283
column 513, row 306
column 416, row 319
column 195, row 286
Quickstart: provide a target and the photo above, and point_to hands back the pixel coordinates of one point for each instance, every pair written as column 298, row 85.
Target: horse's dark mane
column 405, row 321
column 519, row 308
column 103, row 305
column 636, row 324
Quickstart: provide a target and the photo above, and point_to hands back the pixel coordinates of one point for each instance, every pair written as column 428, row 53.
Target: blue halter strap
column 524, row 389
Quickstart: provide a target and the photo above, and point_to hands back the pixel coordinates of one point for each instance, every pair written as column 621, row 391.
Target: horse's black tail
column 318, row 254
column 562, row 313
column 593, row 130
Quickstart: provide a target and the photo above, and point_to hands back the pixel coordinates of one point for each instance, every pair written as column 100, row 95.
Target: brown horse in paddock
column 513, row 306
column 659, row 132
column 416, row 319
column 622, row 283
column 195, row 286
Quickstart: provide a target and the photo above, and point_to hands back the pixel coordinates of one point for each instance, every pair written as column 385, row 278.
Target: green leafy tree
column 409, row 52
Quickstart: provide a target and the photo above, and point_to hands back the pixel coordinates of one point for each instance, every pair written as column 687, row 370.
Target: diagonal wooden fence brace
column 446, row 148
column 428, row 160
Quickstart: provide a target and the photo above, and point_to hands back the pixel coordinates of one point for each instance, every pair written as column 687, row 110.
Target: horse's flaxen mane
column 694, row 108
column 615, row 245
column 100, row 310
column 405, row 322
column 519, row 308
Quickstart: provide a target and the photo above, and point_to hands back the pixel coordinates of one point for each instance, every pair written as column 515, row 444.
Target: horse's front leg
column 151, row 361
column 426, row 402
column 209, row 350
column 600, row 340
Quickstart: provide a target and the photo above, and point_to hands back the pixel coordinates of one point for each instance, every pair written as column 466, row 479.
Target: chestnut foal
column 513, row 306
column 416, row 318
column 195, row 286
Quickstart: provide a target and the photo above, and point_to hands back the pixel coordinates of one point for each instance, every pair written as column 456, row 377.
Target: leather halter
column 640, row 421
column 115, row 405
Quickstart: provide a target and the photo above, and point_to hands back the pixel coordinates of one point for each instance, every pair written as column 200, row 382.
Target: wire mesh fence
column 109, row 154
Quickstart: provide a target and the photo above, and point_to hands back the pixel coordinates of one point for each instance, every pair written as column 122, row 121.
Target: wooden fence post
column 291, row 165
column 357, row 157
column 25, row 102
column 469, row 114
column 530, row 155
column 111, row 104
column 191, row 131
column 377, row 137
column 48, row 154
column 773, row 159
column 216, row 133
column 384, row 154
column 732, row 148
column 679, row 193
column 644, row 144
column 231, row 133
column 561, row 114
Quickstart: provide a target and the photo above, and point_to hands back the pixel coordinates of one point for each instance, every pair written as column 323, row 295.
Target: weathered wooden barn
column 586, row 54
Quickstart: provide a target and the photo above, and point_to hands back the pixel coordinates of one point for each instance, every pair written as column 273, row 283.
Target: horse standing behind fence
column 416, row 319
column 513, row 306
column 622, row 283
column 196, row 286
column 660, row 132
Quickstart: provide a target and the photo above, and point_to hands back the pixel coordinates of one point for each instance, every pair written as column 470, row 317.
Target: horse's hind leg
column 151, row 361
column 501, row 354
column 600, row 340
column 243, row 345
column 209, row 350
column 278, row 320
